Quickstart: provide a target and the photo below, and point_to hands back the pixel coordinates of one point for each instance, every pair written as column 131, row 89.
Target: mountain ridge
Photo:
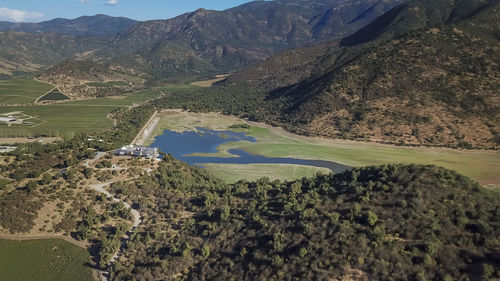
column 207, row 42
column 99, row 25
column 431, row 85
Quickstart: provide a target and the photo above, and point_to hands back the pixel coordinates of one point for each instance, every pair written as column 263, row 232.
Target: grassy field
column 180, row 88
column 47, row 259
column 209, row 82
column 58, row 120
column 66, row 119
column 482, row 166
column 22, row 91
column 232, row 173
column 118, row 101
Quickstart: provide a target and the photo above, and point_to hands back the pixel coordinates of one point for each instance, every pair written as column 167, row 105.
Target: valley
column 341, row 140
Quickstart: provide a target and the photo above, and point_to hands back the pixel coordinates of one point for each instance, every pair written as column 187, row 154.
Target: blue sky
column 40, row 10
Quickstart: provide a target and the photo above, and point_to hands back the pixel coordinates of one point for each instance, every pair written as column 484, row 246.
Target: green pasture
column 479, row 165
column 58, row 120
column 181, row 88
column 68, row 118
column 232, row 173
column 119, row 101
column 42, row 260
column 22, row 91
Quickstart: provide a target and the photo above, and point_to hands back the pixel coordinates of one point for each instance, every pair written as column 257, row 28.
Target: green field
column 22, row 91
column 482, row 166
column 117, row 101
column 66, row 119
column 181, row 88
column 58, row 120
column 54, row 95
column 47, row 259
column 232, row 173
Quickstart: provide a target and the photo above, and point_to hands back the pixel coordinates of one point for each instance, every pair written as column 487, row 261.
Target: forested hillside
column 424, row 73
column 375, row 223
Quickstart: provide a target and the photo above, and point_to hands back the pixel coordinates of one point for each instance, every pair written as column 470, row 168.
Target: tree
column 31, row 186
column 302, row 252
column 205, row 251
column 88, row 172
column 46, row 179
column 371, row 218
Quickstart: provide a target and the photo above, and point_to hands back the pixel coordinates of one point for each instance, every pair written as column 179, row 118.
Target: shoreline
column 146, row 131
column 479, row 165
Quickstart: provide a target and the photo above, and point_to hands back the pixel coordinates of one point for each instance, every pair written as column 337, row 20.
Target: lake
column 182, row 144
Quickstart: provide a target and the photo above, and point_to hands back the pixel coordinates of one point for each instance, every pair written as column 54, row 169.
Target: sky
column 42, row 10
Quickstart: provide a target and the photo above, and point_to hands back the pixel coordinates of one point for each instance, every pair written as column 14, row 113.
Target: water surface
column 203, row 140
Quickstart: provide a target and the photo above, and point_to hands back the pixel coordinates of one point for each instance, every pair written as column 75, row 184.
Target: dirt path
column 22, row 236
column 137, row 219
column 147, row 130
column 26, row 140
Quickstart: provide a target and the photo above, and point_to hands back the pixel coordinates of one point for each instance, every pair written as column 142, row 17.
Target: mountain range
column 415, row 73
column 426, row 72
column 201, row 43
column 86, row 26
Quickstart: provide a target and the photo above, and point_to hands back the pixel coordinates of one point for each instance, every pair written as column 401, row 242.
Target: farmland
column 231, row 173
column 118, row 101
column 22, row 91
column 64, row 119
column 47, row 259
column 58, row 120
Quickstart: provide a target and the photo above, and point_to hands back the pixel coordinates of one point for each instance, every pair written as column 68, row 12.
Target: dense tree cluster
column 389, row 222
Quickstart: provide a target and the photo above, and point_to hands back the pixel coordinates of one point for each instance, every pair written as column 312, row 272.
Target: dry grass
column 210, row 82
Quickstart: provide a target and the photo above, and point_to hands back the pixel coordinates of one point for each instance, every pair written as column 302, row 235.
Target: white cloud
column 19, row 15
column 112, row 2
column 85, row 1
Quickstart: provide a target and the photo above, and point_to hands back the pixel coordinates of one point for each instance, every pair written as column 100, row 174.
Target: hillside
column 407, row 222
column 375, row 223
column 206, row 42
column 27, row 52
column 86, row 26
column 76, row 77
column 427, row 74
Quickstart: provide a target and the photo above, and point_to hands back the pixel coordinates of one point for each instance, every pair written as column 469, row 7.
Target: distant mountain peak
column 97, row 25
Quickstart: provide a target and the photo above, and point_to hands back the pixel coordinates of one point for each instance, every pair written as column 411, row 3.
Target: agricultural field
column 68, row 118
column 44, row 259
column 56, row 120
column 22, row 91
column 53, row 95
column 119, row 101
column 209, row 82
column 181, row 88
column 480, row 165
column 232, row 173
